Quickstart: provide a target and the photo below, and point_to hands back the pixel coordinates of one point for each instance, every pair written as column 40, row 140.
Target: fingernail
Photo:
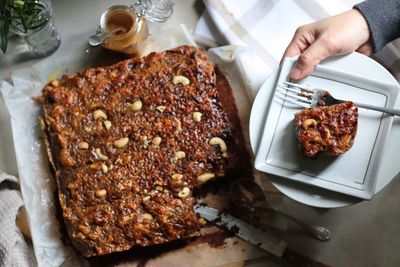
column 296, row 73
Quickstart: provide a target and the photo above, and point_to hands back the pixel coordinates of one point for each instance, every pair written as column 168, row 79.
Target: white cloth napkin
column 13, row 249
column 267, row 26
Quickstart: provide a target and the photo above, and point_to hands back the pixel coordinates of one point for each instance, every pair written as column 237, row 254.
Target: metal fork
column 309, row 97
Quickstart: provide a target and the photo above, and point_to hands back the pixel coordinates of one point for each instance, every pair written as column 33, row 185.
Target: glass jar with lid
column 128, row 24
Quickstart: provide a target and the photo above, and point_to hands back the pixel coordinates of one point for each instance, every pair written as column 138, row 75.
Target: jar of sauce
column 130, row 24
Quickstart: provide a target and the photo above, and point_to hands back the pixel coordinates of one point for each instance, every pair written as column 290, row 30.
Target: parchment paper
column 38, row 187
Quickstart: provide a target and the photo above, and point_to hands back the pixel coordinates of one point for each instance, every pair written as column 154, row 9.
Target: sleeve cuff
column 383, row 19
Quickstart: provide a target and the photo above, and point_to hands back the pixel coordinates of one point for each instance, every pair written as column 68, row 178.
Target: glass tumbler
column 34, row 21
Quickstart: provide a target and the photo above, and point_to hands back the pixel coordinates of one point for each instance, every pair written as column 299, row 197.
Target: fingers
column 292, row 50
column 339, row 34
column 299, row 43
column 310, row 57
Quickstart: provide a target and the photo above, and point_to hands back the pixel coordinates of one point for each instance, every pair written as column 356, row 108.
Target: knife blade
column 262, row 239
column 245, row 231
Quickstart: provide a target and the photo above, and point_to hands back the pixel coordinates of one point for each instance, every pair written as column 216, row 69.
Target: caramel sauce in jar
column 130, row 39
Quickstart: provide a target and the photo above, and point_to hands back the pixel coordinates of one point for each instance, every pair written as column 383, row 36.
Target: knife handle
column 298, row 260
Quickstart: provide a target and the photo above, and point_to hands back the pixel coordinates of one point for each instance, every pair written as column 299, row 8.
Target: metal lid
column 154, row 10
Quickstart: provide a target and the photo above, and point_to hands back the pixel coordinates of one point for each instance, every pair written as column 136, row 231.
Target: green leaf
column 4, row 27
column 3, row 42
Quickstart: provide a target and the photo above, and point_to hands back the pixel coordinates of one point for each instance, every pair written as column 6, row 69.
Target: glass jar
column 130, row 24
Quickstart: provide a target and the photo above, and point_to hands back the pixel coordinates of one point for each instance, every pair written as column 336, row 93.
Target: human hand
column 344, row 33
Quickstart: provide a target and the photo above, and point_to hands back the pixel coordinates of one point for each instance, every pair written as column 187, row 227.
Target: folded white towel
column 13, row 248
column 266, row 26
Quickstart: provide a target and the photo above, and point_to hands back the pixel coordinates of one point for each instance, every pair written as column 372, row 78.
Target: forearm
column 383, row 18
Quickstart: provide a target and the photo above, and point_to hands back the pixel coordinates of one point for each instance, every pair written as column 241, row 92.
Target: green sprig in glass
column 22, row 16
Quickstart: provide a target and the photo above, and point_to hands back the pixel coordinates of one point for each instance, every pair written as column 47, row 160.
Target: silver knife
column 257, row 237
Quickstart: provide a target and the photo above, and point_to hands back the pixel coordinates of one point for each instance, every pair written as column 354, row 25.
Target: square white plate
column 353, row 173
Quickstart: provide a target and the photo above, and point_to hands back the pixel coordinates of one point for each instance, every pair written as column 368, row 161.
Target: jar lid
column 154, row 10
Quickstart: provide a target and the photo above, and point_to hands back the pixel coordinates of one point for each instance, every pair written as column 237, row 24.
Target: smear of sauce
column 53, row 75
column 215, row 239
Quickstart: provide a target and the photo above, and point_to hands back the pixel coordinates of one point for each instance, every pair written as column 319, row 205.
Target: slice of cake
column 327, row 129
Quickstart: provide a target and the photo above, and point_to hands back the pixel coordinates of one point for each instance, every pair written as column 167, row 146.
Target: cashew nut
column 161, row 108
column 136, row 106
column 309, row 123
column 120, row 143
column 180, row 79
column 205, row 177
column 156, row 141
column 159, row 188
column 101, row 193
column 42, row 124
column 100, row 155
column 126, row 218
column 202, row 221
column 184, row 192
column 104, row 168
column 180, row 155
column 216, row 141
column 83, row 145
column 107, row 124
column 99, row 114
column 147, row 216
column 55, row 83
column 197, row 116
column 177, row 176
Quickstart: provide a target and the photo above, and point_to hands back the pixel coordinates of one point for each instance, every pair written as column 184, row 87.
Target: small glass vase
column 36, row 25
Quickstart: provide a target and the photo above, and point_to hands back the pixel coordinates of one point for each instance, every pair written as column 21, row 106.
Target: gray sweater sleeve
column 383, row 18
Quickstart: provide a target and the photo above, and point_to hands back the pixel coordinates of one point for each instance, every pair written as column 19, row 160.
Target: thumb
column 307, row 60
